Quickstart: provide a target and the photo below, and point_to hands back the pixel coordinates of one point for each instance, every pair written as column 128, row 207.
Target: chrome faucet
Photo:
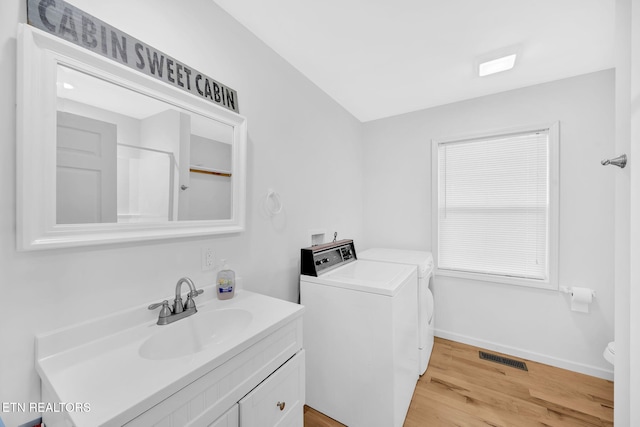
column 179, row 311
column 177, row 303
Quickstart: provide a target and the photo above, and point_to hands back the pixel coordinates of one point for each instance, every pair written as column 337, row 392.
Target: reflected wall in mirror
column 123, row 156
column 107, row 154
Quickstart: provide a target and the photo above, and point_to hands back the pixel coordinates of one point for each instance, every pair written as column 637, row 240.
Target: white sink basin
column 90, row 361
column 194, row 333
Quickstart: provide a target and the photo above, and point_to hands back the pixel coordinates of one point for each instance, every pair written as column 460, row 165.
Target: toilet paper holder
column 569, row 290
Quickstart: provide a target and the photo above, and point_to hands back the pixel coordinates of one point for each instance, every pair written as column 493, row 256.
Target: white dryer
column 424, row 262
column 360, row 331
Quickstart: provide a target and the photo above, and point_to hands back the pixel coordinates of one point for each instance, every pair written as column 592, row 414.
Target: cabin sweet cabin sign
column 72, row 24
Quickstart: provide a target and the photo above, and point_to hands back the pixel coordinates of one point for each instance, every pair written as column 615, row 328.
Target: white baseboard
column 594, row 371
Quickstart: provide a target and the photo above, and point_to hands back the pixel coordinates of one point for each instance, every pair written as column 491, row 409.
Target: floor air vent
column 503, row 360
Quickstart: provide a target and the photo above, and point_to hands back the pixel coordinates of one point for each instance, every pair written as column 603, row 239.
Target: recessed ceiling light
column 497, row 65
column 67, row 85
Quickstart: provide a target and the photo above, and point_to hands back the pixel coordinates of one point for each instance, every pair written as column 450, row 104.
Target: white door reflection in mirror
column 172, row 164
column 85, row 170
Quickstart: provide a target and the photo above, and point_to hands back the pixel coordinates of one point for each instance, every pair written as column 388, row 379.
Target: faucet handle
column 195, row 292
column 190, row 303
column 190, row 296
column 165, row 311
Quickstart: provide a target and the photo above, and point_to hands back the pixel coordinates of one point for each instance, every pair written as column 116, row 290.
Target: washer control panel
column 316, row 260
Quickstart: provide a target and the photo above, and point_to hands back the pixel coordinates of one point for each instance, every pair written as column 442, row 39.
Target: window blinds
column 493, row 205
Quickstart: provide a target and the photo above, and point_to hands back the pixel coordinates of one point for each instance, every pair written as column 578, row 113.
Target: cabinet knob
column 280, row 405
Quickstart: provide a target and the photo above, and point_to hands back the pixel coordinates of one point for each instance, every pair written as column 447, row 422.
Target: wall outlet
column 208, row 261
column 317, row 236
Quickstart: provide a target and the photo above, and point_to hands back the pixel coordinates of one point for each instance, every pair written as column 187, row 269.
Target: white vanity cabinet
column 231, row 418
column 278, row 400
column 247, row 390
column 252, row 376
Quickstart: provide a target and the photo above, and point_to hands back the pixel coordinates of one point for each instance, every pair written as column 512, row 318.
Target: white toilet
column 610, row 353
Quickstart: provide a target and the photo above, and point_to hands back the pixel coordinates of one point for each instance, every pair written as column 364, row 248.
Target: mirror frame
column 38, row 57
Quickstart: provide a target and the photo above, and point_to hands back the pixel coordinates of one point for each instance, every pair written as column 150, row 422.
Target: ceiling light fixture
column 68, row 86
column 497, row 65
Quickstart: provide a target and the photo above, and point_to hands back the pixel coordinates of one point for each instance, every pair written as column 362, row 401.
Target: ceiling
column 380, row 58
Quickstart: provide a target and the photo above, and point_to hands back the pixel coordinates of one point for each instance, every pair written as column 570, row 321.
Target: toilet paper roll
column 580, row 299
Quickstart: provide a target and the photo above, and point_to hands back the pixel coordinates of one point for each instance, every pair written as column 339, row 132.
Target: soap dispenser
column 226, row 283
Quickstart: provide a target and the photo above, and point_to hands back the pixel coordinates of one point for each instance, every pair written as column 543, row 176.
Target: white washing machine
column 424, row 262
column 360, row 331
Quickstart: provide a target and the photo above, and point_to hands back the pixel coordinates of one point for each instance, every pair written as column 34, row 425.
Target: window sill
column 514, row 281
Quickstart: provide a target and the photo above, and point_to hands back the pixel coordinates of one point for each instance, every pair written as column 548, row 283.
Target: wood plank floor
column 460, row 389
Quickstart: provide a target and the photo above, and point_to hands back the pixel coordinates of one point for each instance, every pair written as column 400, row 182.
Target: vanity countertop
column 98, row 363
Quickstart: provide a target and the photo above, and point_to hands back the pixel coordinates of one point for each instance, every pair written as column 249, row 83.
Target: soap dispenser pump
column 226, row 282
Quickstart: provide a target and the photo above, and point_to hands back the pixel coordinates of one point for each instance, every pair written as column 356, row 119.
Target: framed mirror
column 106, row 154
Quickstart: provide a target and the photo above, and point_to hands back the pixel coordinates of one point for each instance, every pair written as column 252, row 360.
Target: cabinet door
column 278, row 400
column 228, row 419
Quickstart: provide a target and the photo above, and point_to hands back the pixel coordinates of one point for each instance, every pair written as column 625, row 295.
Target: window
column 496, row 206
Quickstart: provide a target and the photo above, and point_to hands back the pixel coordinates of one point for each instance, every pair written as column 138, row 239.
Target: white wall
column 128, row 128
column 301, row 143
column 627, row 247
column 622, row 382
column 633, row 357
column 521, row 321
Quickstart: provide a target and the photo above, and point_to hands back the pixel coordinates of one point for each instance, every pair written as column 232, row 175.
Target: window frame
column 551, row 281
